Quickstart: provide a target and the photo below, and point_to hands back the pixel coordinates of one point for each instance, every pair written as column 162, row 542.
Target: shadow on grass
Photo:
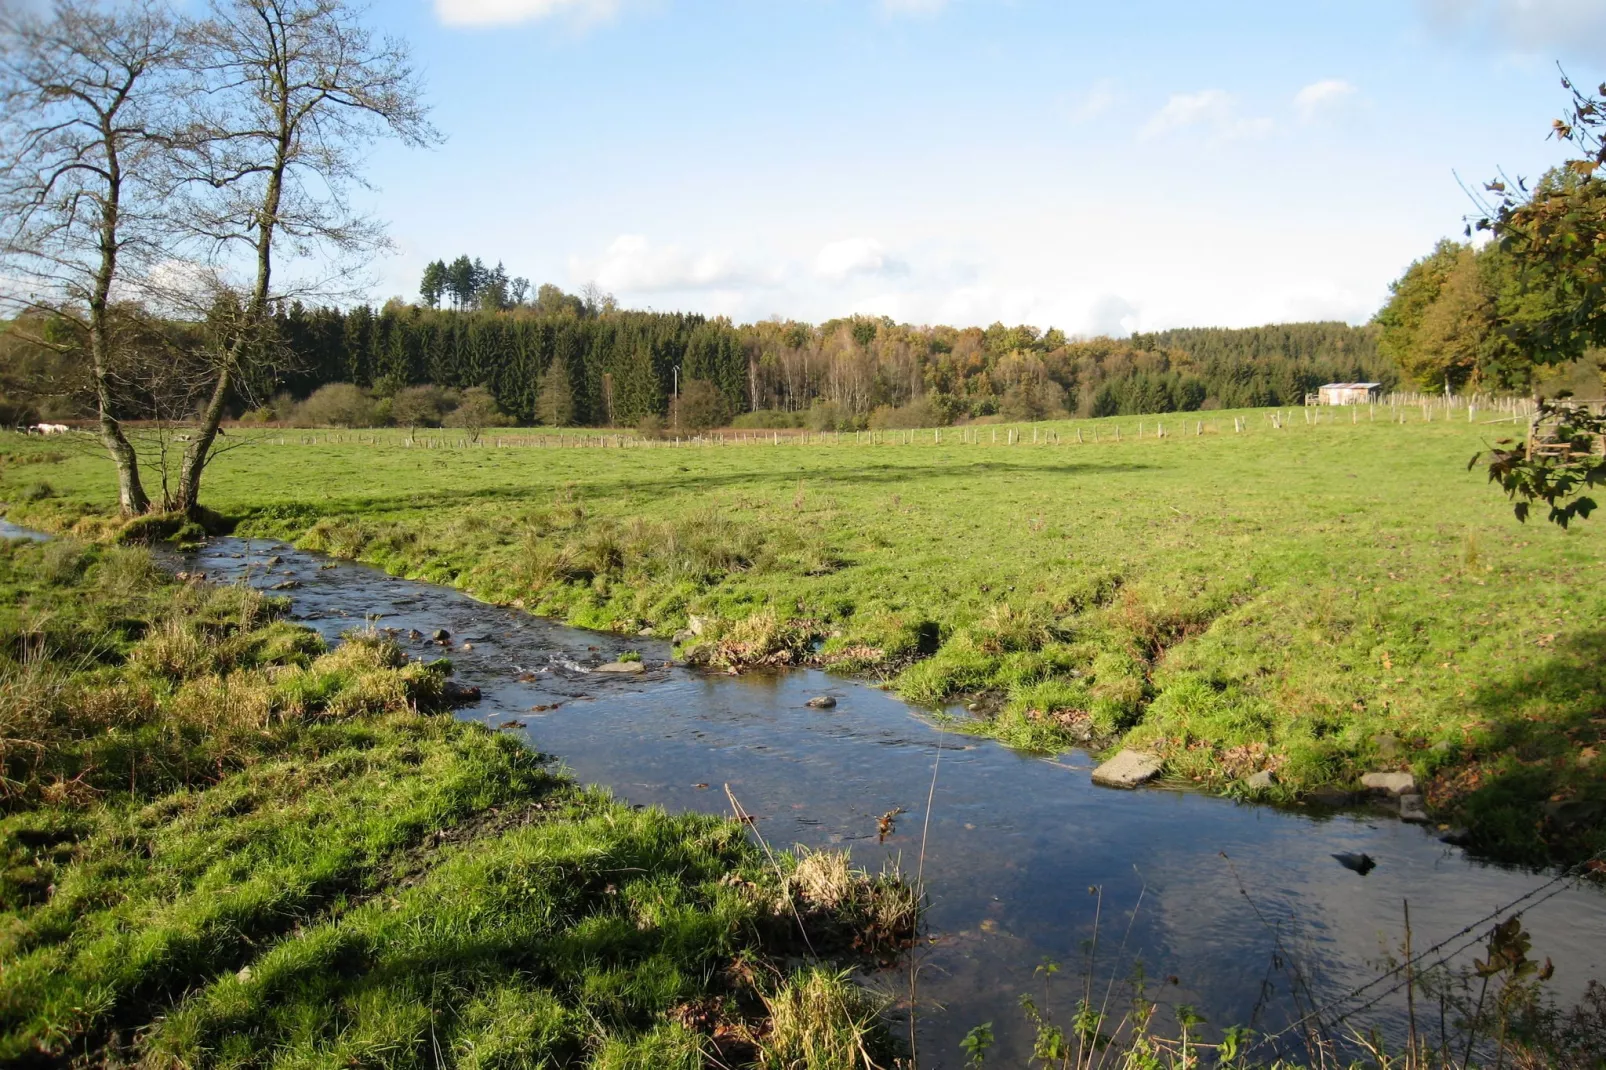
column 441, row 497
column 1534, row 790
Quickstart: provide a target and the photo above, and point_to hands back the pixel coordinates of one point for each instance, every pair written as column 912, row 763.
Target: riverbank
column 223, row 837
column 1314, row 602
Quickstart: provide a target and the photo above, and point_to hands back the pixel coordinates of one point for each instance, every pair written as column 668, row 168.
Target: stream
column 1221, row 902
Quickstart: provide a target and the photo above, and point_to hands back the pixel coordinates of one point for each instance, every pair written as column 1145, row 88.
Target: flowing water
column 1227, row 899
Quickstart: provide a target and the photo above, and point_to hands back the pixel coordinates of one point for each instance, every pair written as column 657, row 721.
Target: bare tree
column 87, row 107
column 294, row 92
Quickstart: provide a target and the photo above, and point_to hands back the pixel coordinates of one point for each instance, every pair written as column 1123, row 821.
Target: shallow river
column 1014, row 842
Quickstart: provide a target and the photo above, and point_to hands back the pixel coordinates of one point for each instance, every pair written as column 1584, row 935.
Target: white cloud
column 633, row 265
column 1317, row 96
column 1093, row 102
column 1111, row 315
column 855, row 256
column 502, row 12
column 1213, row 109
column 1573, row 27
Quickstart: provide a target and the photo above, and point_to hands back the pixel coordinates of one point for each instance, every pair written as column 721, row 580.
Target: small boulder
column 821, row 702
column 1387, row 746
column 467, row 647
column 285, row 585
column 1412, row 809
column 1362, row 863
column 1128, row 769
column 455, row 692
column 1457, row 837
column 696, row 625
column 1261, row 781
column 415, row 635
column 647, row 632
column 441, row 635
column 682, row 637
column 1389, row 783
column 623, row 668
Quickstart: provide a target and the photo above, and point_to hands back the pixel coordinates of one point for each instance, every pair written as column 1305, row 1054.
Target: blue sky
column 1099, row 167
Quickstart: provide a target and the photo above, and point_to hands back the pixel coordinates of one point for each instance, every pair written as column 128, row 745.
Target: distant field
column 1315, row 600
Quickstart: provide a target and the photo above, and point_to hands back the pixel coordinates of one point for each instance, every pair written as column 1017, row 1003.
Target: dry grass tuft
column 818, row 1020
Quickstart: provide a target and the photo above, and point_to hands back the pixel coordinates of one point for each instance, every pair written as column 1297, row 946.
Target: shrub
column 476, row 411
column 337, row 405
column 767, row 420
column 701, row 405
column 830, row 416
column 921, row 412
column 38, row 492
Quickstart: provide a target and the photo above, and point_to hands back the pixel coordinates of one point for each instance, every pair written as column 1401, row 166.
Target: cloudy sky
column 1094, row 166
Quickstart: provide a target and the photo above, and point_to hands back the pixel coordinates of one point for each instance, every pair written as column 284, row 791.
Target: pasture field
column 1316, row 600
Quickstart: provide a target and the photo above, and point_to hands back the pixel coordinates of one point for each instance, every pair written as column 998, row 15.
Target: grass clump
column 819, row 1020
column 220, row 839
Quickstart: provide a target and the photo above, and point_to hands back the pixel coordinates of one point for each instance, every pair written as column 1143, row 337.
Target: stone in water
column 1128, row 769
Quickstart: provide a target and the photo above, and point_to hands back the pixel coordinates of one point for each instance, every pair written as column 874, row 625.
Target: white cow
column 52, row 429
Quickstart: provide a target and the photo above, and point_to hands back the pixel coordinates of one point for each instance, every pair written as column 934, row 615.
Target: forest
column 564, row 359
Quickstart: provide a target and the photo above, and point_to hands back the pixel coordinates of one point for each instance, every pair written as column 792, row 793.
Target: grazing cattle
column 51, row 429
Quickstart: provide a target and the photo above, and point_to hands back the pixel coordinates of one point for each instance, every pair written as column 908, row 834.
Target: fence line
column 1394, row 409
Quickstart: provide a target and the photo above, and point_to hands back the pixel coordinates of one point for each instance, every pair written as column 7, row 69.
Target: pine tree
column 462, row 282
column 433, row 285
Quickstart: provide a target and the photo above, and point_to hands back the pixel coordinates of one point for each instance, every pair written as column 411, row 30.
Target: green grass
column 1319, row 601
column 222, row 844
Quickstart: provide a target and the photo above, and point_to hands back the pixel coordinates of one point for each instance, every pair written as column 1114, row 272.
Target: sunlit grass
column 1316, row 601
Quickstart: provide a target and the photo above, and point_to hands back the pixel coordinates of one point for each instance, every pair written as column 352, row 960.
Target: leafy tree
column 701, row 405
column 337, row 405
column 554, row 405
column 476, row 411
column 1561, row 471
column 493, row 291
column 422, row 406
column 88, row 119
column 294, row 91
column 551, row 301
column 1033, row 401
column 1556, row 233
column 1413, row 296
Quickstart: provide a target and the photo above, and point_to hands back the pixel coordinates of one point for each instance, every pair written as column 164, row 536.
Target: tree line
column 582, row 361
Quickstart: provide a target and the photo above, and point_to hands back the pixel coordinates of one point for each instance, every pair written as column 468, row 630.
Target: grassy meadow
column 224, row 845
column 1316, row 601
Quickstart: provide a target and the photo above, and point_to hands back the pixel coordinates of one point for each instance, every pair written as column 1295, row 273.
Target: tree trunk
column 199, row 450
column 131, row 497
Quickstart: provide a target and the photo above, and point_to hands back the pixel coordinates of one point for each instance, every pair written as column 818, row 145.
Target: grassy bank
column 1317, row 601
column 226, row 845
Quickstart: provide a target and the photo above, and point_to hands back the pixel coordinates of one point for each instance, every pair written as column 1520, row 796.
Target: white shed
column 1349, row 393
